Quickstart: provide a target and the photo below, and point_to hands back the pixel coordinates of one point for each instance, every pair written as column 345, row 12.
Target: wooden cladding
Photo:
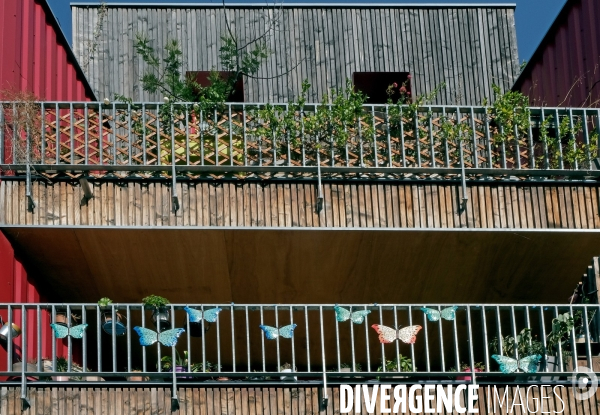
column 293, row 204
column 255, row 401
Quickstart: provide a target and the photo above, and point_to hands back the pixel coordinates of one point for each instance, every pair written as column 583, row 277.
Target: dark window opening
column 381, row 86
column 202, row 78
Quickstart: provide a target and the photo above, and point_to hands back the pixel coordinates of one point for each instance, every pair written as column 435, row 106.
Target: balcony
column 272, row 140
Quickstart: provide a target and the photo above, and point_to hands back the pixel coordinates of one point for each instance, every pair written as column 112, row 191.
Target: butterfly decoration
column 61, row 331
column 197, row 315
column 434, row 315
column 343, row 314
column 149, row 337
column 389, row 335
column 509, row 365
column 272, row 333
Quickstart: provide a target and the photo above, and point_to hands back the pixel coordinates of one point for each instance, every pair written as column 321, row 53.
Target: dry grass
column 22, row 125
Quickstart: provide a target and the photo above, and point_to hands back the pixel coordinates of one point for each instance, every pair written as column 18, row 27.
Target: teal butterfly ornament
column 166, row 338
column 196, row 316
column 527, row 364
column 272, row 333
column 342, row 314
column 432, row 314
column 61, row 331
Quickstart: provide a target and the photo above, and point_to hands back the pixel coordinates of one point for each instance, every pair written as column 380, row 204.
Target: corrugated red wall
column 36, row 58
column 34, row 55
column 565, row 69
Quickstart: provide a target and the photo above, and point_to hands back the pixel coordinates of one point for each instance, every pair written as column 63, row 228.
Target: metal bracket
column 87, row 191
column 174, row 404
column 319, row 206
column 25, row 404
column 30, row 201
column 325, row 398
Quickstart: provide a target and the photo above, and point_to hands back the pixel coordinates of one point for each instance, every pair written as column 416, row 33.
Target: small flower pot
column 288, row 378
column 18, row 367
column 162, row 318
column 107, row 324
column 61, row 319
column 137, row 378
column 468, row 378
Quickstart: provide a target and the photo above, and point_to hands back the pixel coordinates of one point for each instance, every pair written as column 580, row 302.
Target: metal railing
column 320, row 347
column 262, row 140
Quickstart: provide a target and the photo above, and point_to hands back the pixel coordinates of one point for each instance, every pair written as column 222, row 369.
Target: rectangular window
column 375, row 85
column 202, row 78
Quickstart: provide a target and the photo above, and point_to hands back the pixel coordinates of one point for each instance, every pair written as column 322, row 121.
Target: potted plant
column 181, row 364
column 62, row 365
column 160, row 313
column 560, row 335
column 404, row 363
column 287, row 368
column 479, row 367
column 61, row 318
column 107, row 323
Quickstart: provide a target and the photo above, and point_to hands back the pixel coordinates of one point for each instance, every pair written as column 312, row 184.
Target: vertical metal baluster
column 322, row 338
column 58, row 132
column 85, row 133
column 360, row 141
column 367, row 341
column 144, row 368
column 144, row 146
column 307, row 338
column 397, row 359
column 560, row 152
column 475, row 145
column 99, row 339
column 346, row 155
column 72, row 133
column 560, row 359
column 128, row 335
column 456, row 351
column 218, row 342
column 216, row 138
column 201, row 125
column 513, row 328
column 2, row 126
column 159, row 347
column 412, row 346
column 352, row 345
column 337, row 341
column 289, row 151
column 402, row 144
column 114, row 134
column 446, row 149
column 503, row 148
column 84, row 340
column 546, row 153
column 292, row 341
column 530, row 144
column 588, row 345
column 262, row 339
column 486, row 351
column 431, row 142
column 277, row 338
column 499, row 331
column 543, row 331
column 129, row 149
column 39, row 335
column 573, row 338
column 230, row 150
column 382, row 349
column 442, row 352
column 517, row 146
column 332, row 144
column 232, row 320
column 248, row 338
column 113, row 324
column 417, row 137
column 375, row 149
column 203, row 341
column 69, row 342
column 189, row 340
column 158, row 137
column 187, row 137
column 24, row 353
column 53, row 319
column 302, row 137
column 244, row 135
column 488, row 139
column 586, row 140
column 576, row 167
column 426, row 342
column 42, row 131
column 470, row 340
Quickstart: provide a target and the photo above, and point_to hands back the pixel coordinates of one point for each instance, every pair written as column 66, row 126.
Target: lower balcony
column 280, row 356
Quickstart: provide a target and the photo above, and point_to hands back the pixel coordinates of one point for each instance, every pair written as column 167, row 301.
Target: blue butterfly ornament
column 61, row 331
column 272, row 333
column 342, row 314
column 196, row 316
column 509, row 365
column 434, row 315
column 166, row 338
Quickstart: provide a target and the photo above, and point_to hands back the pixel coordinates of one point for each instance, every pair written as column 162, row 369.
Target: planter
column 18, row 367
column 162, row 318
column 61, row 319
column 288, row 378
column 94, row 379
column 468, row 378
column 107, row 324
column 60, row 378
column 137, row 378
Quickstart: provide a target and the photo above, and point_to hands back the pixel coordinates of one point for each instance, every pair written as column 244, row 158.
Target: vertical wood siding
column 468, row 48
column 257, row 401
column 263, row 204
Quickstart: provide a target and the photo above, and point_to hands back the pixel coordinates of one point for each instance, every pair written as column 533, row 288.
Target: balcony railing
column 320, row 348
column 261, row 140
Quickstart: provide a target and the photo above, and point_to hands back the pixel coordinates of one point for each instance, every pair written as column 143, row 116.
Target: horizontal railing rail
column 283, row 140
column 438, row 342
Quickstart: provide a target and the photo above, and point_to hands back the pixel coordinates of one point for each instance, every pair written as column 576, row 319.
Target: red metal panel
column 565, row 69
column 35, row 56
